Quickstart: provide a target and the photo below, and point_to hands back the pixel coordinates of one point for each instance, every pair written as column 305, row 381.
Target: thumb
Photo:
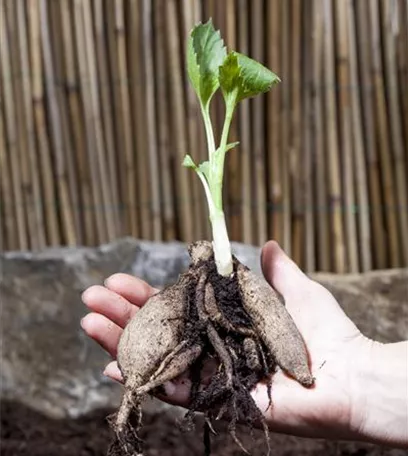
column 280, row 271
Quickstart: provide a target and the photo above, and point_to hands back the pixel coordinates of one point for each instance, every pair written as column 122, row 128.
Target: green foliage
column 210, row 68
column 241, row 77
column 205, row 54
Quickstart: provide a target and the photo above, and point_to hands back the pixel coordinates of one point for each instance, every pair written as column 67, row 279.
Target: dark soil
column 25, row 432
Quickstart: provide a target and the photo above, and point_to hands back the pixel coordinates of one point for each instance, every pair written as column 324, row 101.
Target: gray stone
column 49, row 364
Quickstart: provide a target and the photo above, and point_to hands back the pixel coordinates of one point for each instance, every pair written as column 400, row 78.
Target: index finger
column 135, row 290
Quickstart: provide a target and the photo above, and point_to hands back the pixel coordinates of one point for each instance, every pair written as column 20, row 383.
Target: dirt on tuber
column 239, row 321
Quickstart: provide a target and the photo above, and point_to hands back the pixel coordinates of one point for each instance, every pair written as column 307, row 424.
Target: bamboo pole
column 163, row 119
column 307, row 143
column 339, row 264
column 96, row 124
column 321, row 188
column 150, row 116
column 358, row 144
column 273, row 131
column 390, row 25
column 8, row 210
column 76, row 122
column 383, row 138
column 183, row 204
column 258, row 113
column 100, row 233
column 376, row 207
column 21, row 131
column 136, row 73
column 285, row 130
column 61, row 84
column 245, row 136
column 67, row 219
column 296, row 160
column 44, row 170
column 107, row 120
column 344, row 119
column 10, row 127
column 35, row 213
column 186, row 10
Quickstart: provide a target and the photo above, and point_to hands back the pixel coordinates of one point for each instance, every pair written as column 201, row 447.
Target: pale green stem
column 218, row 169
column 208, row 129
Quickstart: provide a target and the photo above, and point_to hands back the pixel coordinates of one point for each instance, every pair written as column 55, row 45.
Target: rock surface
column 51, row 366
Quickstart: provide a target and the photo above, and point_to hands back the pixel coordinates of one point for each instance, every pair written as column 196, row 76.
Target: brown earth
column 25, row 432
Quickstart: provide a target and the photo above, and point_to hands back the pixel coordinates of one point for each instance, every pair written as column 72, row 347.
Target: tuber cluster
column 239, row 321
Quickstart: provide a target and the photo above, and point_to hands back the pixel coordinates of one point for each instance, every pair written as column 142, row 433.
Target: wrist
column 380, row 394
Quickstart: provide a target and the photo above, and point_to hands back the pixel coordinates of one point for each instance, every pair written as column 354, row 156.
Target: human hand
column 338, row 352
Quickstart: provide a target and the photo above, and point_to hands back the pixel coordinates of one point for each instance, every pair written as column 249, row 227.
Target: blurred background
column 97, row 114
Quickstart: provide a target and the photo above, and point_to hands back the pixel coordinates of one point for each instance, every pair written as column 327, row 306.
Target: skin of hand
column 360, row 390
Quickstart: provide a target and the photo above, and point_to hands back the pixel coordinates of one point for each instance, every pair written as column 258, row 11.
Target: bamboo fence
column 96, row 114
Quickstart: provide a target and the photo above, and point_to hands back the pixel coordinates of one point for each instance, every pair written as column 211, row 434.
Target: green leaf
column 188, row 162
column 242, row 77
column 205, row 54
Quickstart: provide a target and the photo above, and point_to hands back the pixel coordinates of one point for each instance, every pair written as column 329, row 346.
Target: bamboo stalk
column 359, row 158
column 150, row 116
column 82, row 50
column 307, row 148
column 44, row 170
column 35, row 213
column 61, row 84
column 75, row 119
column 245, row 136
column 183, row 205
column 21, row 131
column 136, row 74
column 11, row 132
column 273, row 107
column 101, row 173
column 186, row 12
column 8, row 210
column 383, row 138
column 258, row 113
column 321, row 188
column 163, row 120
column 124, row 109
column 296, row 156
column 344, row 110
column 394, row 114
column 332, row 143
column 285, row 136
column 376, row 208
column 107, row 121
column 56, row 130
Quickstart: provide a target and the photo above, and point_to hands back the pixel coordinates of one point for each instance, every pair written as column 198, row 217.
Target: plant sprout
column 210, row 67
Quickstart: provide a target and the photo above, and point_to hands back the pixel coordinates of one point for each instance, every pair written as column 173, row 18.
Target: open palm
column 334, row 344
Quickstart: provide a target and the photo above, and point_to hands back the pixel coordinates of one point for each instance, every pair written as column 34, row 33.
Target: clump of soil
column 240, row 321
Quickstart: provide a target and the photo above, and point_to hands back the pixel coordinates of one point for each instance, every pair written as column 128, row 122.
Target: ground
column 25, row 432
